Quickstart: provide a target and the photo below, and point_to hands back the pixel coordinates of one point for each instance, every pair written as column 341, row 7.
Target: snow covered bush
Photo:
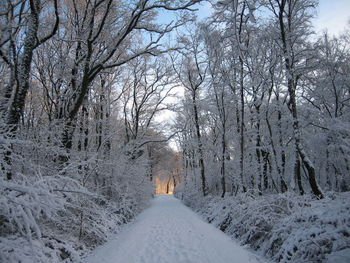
column 25, row 205
column 51, row 212
column 46, row 219
column 284, row 227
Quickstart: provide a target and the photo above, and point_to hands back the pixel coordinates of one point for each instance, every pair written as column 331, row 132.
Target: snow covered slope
column 284, row 227
column 169, row 232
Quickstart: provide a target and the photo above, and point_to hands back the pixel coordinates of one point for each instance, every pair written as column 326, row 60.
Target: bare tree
column 191, row 70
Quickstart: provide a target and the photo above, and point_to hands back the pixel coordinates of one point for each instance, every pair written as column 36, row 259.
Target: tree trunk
column 12, row 111
column 297, row 138
column 223, row 159
column 241, row 141
column 297, row 173
column 16, row 108
column 292, row 84
column 199, row 144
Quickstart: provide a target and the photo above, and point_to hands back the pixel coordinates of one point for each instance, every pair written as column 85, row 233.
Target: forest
column 243, row 115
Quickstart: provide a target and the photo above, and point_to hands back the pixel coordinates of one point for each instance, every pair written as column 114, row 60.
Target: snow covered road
column 169, row 232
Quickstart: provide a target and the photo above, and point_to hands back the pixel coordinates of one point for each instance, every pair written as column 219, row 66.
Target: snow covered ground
column 169, row 232
column 283, row 227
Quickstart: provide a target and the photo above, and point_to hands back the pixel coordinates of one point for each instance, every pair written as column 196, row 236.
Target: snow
column 283, row 227
column 339, row 256
column 169, row 232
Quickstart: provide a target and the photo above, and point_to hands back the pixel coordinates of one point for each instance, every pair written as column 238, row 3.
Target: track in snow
column 169, row 232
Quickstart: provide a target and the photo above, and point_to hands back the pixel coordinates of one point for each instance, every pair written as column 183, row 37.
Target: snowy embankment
column 283, row 227
column 38, row 225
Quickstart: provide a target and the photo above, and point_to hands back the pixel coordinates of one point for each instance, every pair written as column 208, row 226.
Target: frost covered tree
column 191, row 70
column 22, row 31
column 268, row 88
column 293, row 19
column 326, row 96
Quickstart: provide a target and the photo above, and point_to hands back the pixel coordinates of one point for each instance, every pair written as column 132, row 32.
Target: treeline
column 267, row 102
column 81, row 84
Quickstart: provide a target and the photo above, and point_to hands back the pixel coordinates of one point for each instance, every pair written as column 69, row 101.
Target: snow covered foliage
column 283, row 227
column 48, row 214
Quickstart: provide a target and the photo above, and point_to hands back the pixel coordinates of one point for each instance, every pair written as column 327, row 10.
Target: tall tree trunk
column 241, row 141
column 15, row 108
column 149, row 150
column 223, row 160
column 297, row 173
column 258, row 151
column 284, row 186
column 297, row 138
column 286, row 8
column 174, row 181
column 280, row 174
column 199, row 144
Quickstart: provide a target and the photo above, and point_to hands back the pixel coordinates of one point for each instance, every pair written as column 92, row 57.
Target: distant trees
column 191, row 70
column 167, row 169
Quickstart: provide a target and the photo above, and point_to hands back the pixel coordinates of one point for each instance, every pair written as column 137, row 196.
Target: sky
column 333, row 15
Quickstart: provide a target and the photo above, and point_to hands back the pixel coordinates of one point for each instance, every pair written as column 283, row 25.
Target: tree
column 191, row 70
column 293, row 19
column 17, row 51
column 326, row 95
column 21, row 23
column 220, row 93
column 106, row 43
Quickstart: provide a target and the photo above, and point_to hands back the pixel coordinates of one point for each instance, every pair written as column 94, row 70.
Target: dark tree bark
column 241, row 140
column 298, row 175
column 199, row 143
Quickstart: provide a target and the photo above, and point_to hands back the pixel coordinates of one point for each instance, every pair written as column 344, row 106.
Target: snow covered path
column 169, row 232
